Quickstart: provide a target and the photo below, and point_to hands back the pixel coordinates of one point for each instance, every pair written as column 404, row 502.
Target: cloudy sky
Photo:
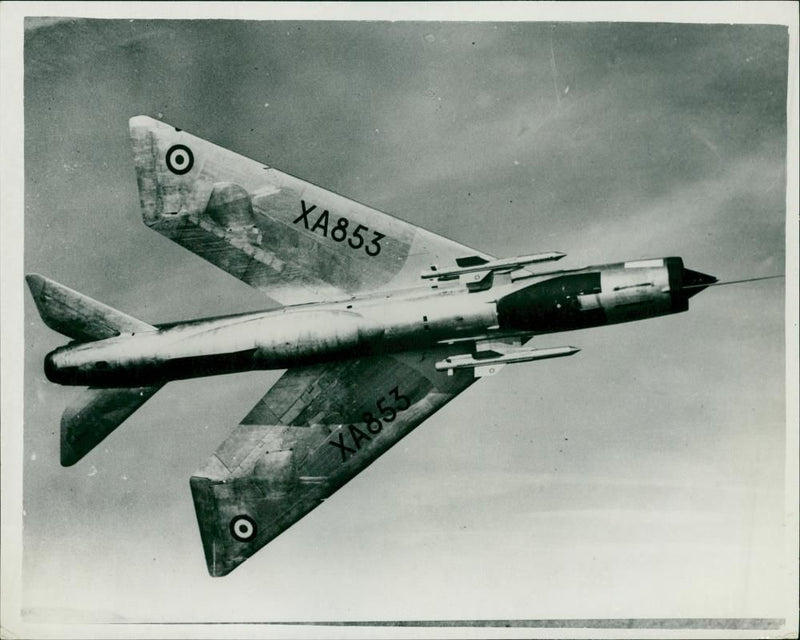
column 643, row 478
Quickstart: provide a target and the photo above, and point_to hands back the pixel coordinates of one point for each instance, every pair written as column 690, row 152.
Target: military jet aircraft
column 382, row 323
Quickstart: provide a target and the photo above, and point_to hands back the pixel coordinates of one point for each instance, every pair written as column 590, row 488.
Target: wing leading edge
column 313, row 431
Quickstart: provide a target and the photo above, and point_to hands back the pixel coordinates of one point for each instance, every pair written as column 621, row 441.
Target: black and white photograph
column 400, row 320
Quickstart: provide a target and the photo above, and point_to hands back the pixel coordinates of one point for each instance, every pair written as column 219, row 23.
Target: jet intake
column 685, row 283
column 694, row 282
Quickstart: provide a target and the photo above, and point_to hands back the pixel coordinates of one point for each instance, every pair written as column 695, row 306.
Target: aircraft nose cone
column 695, row 281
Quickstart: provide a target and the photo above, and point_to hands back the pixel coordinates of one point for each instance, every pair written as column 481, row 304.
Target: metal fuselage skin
column 519, row 303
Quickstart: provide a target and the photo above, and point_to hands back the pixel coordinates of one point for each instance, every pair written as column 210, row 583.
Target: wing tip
column 143, row 122
column 70, row 454
column 146, row 124
column 69, row 457
column 220, row 557
column 36, row 284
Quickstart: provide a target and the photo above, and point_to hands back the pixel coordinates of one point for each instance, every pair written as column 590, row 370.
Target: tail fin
column 78, row 316
column 97, row 412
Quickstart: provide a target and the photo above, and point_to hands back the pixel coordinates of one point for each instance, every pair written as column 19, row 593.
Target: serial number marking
column 339, row 232
column 373, row 424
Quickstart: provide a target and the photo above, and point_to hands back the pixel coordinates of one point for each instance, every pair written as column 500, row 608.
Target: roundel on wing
column 179, row 159
column 243, row 528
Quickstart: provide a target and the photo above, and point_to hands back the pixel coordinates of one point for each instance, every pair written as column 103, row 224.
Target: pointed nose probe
column 693, row 282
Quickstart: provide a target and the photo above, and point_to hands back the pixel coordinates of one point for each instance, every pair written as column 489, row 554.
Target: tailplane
column 97, row 412
column 94, row 415
column 78, row 316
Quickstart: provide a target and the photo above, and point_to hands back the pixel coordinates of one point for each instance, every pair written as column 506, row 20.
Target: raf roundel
column 179, row 159
column 243, row 528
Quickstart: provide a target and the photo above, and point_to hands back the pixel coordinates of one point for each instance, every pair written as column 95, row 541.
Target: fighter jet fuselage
column 513, row 303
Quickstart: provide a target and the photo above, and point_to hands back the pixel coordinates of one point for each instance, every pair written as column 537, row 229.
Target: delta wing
column 289, row 238
column 313, row 431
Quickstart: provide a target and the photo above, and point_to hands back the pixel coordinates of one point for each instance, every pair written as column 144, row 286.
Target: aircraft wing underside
column 313, row 431
column 294, row 241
